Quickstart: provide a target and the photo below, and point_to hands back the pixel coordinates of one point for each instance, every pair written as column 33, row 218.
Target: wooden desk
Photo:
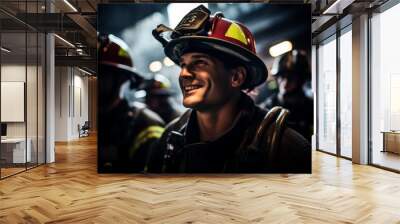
column 391, row 141
column 15, row 148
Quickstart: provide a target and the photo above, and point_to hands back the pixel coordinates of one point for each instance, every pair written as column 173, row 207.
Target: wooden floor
column 10, row 171
column 387, row 159
column 5, row 172
column 71, row 191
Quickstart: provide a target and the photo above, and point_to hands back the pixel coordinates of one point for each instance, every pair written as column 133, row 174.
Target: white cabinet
column 17, row 145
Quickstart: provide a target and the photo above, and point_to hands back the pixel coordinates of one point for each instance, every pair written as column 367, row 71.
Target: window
column 22, row 75
column 327, row 96
column 385, row 88
column 345, row 93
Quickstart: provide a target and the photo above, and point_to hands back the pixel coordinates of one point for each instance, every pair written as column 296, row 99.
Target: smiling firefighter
column 223, row 131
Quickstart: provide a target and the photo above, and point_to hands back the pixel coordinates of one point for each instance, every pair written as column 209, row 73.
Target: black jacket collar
column 191, row 133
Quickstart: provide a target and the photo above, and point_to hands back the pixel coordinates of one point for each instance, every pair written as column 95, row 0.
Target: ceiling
column 78, row 25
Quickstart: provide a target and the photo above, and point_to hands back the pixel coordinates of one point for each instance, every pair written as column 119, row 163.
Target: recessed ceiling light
column 84, row 71
column 280, row 48
column 64, row 40
column 5, row 50
column 168, row 62
column 70, row 5
column 155, row 66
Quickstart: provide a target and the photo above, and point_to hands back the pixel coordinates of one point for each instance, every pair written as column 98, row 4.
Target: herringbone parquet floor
column 71, row 191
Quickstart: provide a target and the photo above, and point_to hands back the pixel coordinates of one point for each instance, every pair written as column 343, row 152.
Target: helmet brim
column 257, row 71
column 120, row 67
column 121, row 71
column 160, row 92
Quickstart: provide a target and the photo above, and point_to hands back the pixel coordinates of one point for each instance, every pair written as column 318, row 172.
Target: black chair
column 84, row 130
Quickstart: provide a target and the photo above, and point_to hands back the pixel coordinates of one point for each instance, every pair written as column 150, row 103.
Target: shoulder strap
column 269, row 132
column 178, row 123
column 174, row 139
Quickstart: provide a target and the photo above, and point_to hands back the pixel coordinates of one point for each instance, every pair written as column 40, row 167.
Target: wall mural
column 184, row 88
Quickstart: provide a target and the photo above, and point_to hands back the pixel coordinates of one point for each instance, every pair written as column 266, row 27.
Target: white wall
column 33, row 126
column 81, row 113
column 12, row 73
column 71, row 102
column 62, row 81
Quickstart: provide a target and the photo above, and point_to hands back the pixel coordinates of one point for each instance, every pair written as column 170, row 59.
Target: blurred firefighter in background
column 223, row 131
column 159, row 98
column 293, row 75
column 127, row 128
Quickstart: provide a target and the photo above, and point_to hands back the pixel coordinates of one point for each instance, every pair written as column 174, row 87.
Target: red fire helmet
column 114, row 52
column 198, row 31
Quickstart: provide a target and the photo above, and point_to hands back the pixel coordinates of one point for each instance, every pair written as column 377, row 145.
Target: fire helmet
column 198, row 31
column 292, row 63
column 114, row 54
column 159, row 85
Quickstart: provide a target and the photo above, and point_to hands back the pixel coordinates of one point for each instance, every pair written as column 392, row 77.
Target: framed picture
column 205, row 88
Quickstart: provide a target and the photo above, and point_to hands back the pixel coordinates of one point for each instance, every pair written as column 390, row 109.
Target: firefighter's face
column 204, row 81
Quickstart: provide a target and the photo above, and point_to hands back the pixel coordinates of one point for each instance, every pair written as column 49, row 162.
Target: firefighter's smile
column 189, row 89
